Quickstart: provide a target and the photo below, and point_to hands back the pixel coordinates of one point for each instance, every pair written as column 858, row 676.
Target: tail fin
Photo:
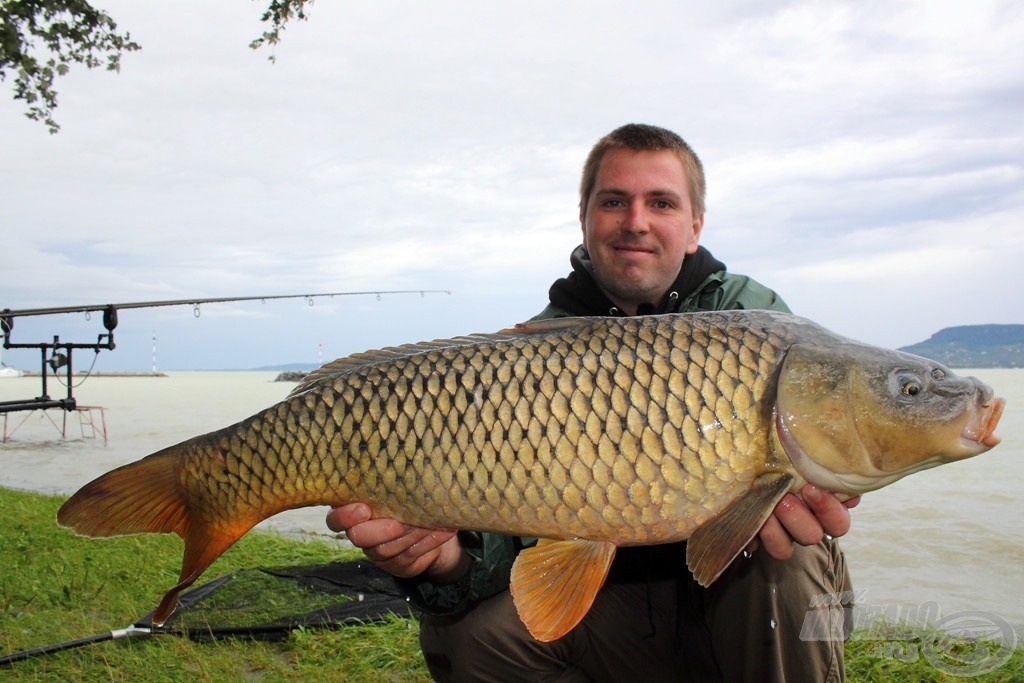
column 141, row 497
column 147, row 497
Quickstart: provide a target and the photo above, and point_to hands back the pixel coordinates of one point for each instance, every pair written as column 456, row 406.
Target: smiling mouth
column 631, row 249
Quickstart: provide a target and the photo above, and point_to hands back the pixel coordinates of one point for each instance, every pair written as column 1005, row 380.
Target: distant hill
column 974, row 346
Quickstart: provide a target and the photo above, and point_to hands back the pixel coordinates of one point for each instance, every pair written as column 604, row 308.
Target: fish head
column 854, row 418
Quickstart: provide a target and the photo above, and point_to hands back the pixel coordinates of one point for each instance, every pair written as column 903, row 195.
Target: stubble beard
column 629, row 292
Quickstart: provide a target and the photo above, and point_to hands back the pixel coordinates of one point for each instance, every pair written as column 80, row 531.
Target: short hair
column 642, row 137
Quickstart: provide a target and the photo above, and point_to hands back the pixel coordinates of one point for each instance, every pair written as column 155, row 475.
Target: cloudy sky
column 864, row 159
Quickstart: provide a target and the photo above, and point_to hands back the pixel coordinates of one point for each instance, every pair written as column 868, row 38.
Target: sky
column 864, row 159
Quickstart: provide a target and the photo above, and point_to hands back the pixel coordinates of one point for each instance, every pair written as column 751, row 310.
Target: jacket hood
column 579, row 294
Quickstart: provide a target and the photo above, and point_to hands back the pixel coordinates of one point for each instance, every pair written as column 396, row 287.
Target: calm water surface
column 953, row 535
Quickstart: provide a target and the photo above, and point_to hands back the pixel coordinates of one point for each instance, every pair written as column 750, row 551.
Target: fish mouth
column 981, row 428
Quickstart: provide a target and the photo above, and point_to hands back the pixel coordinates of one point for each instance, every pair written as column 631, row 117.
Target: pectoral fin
column 717, row 542
column 555, row 582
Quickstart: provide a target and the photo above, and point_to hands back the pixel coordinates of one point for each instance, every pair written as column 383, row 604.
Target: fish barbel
column 588, row 433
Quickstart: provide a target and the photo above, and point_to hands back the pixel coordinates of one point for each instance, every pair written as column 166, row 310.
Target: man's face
column 638, row 225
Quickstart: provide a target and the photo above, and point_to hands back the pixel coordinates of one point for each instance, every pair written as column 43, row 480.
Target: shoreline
column 96, row 373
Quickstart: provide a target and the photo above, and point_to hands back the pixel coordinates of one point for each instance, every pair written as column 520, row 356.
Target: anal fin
column 554, row 584
column 203, row 545
column 716, row 543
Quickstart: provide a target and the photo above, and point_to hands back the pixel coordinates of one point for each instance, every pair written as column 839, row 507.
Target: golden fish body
column 605, row 432
column 632, row 432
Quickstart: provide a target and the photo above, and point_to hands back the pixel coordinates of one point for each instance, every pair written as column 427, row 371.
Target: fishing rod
column 7, row 315
column 56, row 355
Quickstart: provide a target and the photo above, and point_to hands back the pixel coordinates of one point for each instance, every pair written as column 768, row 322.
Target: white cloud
column 858, row 154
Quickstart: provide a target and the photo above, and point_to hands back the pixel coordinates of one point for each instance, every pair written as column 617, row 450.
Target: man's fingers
column 805, row 521
column 379, row 532
column 395, row 547
column 340, row 519
column 798, row 520
column 832, row 516
column 410, row 554
column 408, row 546
column 775, row 540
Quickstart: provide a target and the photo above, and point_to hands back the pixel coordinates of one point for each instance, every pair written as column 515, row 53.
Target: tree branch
column 75, row 32
column 279, row 13
column 71, row 31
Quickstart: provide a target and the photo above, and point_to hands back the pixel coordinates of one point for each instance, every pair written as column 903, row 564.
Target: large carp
column 588, row 433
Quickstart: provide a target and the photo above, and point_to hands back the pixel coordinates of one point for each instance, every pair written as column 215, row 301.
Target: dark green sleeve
column 724, row 291
column 489, row 573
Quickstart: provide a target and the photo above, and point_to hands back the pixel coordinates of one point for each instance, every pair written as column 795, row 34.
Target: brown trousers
column 745, row 627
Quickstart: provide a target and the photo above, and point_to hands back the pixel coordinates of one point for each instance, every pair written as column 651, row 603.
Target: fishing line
column 85, row 375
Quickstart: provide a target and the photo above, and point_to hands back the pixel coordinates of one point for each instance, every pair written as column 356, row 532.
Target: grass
column 56, row 587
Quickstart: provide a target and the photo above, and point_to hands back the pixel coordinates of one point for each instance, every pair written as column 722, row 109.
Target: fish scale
column 527, row 437
column 603, row 432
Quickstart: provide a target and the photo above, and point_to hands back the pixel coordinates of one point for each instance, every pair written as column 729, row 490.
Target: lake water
column 951, row 536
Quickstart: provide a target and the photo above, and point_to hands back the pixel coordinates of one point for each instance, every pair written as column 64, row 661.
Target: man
column 642, row 214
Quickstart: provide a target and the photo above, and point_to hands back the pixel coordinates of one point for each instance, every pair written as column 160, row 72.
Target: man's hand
column 399, row 549
column 805, row 521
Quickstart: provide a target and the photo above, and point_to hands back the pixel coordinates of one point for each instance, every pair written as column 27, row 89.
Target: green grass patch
column 892, row 652
column 57, row 587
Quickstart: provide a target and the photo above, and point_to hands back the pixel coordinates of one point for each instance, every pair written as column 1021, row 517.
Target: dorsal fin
column 549, row 325
column 358, row 361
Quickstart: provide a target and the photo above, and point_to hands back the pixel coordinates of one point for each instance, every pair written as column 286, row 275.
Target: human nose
column 635, row 219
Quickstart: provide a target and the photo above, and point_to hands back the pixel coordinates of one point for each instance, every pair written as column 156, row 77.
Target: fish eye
column 910, row 387
column 908, row 384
